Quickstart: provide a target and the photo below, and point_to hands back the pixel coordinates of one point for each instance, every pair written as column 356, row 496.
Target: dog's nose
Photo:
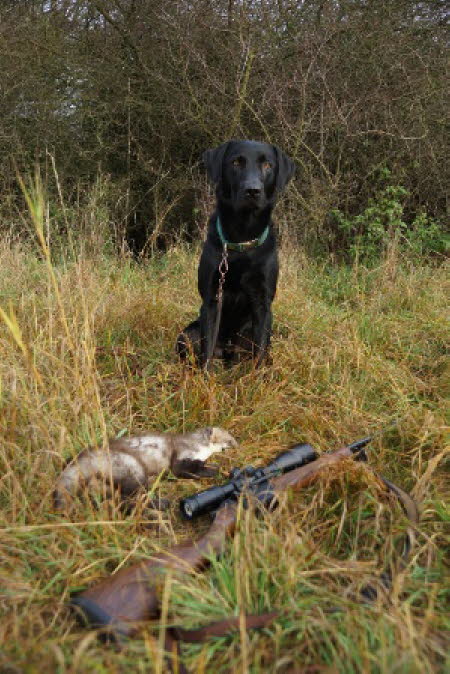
column 252, row 192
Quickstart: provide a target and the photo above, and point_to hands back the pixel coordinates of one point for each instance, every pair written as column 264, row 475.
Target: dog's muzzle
column 252, row 194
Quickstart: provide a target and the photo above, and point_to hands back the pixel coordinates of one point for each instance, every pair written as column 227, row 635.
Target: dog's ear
column 213, row 161
column 285, row 168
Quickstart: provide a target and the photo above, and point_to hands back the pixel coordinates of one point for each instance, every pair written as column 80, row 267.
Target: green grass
column 87, row 352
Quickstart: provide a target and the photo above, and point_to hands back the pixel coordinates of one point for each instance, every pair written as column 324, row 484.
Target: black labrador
column 248, row 176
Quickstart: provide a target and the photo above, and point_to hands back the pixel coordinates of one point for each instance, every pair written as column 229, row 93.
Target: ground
column 87, row 344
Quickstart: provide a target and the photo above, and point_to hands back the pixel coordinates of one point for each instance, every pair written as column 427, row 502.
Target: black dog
column 249, row 176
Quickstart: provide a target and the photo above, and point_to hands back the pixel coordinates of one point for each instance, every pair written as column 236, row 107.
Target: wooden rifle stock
column 131, row 595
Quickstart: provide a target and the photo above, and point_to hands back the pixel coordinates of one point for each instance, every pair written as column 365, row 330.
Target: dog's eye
column 266, row 166
column 237, row 163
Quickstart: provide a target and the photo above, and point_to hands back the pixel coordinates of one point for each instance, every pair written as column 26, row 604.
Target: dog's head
column 248, row 174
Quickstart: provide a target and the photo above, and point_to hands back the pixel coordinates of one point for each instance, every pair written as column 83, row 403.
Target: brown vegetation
column 114, row 102
column 136, row 90
column 87, row 350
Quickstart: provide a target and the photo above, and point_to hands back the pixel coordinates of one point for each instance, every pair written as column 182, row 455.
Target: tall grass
column 86, row 343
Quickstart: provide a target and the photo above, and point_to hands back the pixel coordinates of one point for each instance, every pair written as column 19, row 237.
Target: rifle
column 130, row 596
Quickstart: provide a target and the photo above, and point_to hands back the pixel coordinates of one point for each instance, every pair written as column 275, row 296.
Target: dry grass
column 86, row 349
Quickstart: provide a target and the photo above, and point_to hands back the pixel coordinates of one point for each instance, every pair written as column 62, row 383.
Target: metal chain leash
column 223, row 268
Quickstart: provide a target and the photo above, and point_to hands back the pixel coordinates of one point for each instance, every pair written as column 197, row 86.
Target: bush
column 383, row 224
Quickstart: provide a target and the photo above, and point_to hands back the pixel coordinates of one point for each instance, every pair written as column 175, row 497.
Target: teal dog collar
column 245, row 245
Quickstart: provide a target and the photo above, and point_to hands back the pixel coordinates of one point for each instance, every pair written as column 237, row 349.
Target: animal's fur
column 130, row 463
column 249, row 176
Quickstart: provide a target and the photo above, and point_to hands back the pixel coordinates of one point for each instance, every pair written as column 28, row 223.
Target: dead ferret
column 130, row 463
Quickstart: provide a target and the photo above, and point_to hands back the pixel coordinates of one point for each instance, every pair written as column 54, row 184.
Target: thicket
column 115, row 101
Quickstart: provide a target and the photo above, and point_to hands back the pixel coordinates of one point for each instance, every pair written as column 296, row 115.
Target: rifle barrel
column 355, row 447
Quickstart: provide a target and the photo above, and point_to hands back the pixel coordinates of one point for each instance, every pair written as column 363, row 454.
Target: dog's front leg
column 260, row 298
column 208, row 318
column 262, row 329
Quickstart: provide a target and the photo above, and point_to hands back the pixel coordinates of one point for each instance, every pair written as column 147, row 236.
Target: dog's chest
column 242, row 277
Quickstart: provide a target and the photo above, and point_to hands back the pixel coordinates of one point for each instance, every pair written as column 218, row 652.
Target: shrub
column 383, row 223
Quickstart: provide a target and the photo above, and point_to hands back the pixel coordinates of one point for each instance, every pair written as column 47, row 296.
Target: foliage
column 382, row 224
column 135, row 91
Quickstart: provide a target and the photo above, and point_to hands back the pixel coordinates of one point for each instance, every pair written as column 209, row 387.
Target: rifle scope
column 210, row 499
